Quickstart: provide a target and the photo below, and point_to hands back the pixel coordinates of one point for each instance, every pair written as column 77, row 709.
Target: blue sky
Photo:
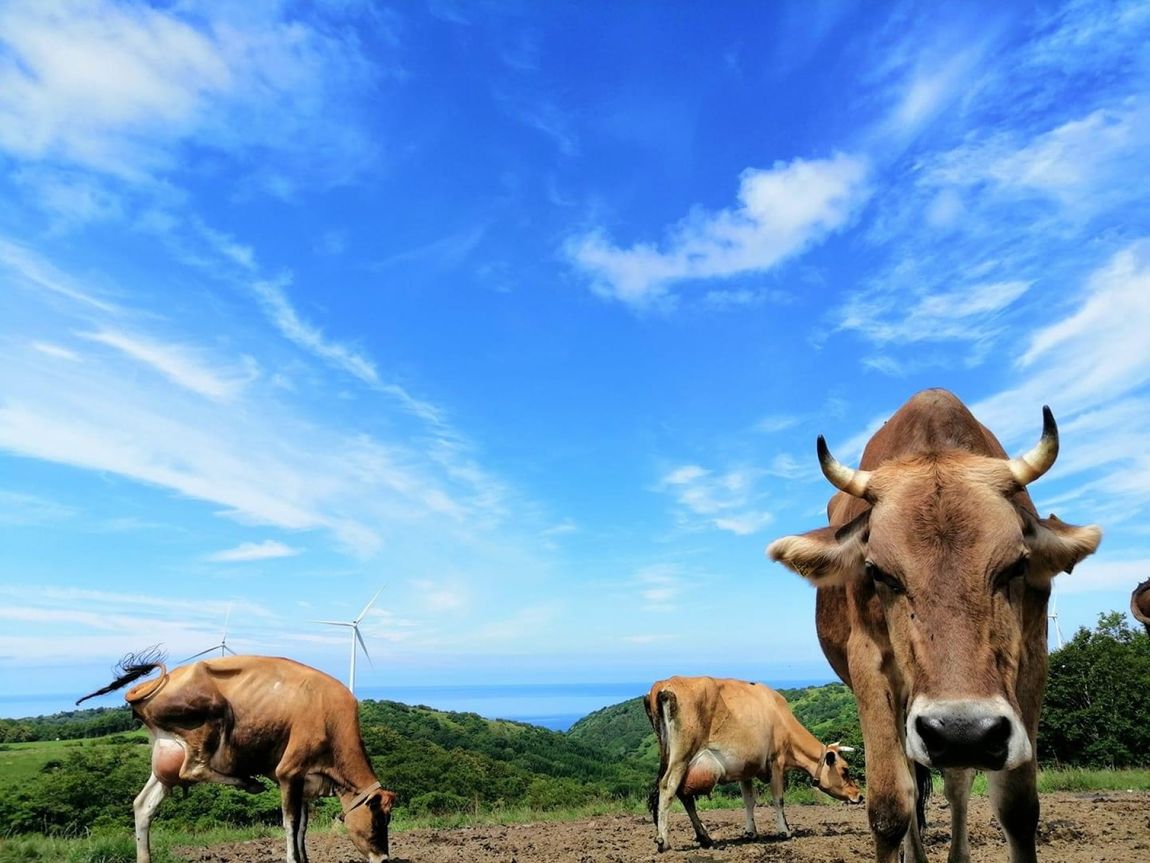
column 531, row 313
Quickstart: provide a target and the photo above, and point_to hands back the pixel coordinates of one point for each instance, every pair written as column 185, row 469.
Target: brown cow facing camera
column 933, row 580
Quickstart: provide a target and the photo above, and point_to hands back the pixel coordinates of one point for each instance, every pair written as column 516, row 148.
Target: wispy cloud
column 659, row 587
column 178, row 363
column 246, row 552
column 780, row 212
column 727, row 501
column 121, row 89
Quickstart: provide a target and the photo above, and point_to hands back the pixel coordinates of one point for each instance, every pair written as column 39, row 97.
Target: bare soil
column 1111, row 827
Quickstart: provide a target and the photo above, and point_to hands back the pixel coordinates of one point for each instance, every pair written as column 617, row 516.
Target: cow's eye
column 878, row 576
column 1009, row 573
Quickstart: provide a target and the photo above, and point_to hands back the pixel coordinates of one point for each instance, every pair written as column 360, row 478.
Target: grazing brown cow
column 232, row 719
column 1140, row 604
column 712, row 731
column 933, row 580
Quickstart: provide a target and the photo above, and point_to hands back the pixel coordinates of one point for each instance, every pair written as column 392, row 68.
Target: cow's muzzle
column 981, row 733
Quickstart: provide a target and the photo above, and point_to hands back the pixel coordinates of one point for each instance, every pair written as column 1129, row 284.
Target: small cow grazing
column 1140, row 604
column 933, row 580
column 712, row 731
column 232, row 719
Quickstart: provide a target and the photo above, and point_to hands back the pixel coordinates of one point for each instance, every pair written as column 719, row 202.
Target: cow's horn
column 853, row 482
column 846, row 748
column 1027, row 468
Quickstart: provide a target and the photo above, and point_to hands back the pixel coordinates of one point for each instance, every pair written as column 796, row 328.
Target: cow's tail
column 660, row 711
column 132, row 667
column 923, row 789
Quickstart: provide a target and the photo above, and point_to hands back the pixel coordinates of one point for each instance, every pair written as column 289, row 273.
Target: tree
column 1097, row 709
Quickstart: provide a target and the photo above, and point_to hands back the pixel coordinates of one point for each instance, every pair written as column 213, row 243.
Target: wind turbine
column 355, row 636
column 1053, row 615
column 222, row 647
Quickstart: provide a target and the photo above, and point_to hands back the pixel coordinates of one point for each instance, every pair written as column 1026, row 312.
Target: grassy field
column 21, row 761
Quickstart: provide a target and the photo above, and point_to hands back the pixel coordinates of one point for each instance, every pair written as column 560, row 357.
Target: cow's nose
column 965, row 741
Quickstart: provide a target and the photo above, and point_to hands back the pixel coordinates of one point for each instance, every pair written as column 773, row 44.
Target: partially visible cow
column 933, row 580
column 232, row 719
column 717, row 730
column 1140, row 604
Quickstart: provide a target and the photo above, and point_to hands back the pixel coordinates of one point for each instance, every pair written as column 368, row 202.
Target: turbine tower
column 355, row 637
column 1053, row 615
column 222, row 647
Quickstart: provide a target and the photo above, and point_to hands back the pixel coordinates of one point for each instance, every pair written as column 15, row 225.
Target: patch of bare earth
column 1113, row 827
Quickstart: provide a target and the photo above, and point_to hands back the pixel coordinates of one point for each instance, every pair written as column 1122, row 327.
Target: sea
column 557, row 706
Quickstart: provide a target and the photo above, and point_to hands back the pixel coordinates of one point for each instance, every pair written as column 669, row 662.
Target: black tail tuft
column 132, row 667
column 923, row 789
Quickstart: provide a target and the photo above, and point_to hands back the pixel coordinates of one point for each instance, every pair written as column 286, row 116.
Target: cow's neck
column 352, row 779
column 804, row 751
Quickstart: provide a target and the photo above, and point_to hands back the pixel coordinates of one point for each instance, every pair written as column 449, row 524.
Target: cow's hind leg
column 669, row 784
column 688, row 801
column 956, row 786
column 1015, row 798
column 748, row 788
column 144, row 807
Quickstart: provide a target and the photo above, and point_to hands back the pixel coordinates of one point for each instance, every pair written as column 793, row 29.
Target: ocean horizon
column 556, row 706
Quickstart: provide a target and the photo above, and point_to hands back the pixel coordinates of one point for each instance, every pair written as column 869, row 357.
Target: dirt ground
column 1110, row 827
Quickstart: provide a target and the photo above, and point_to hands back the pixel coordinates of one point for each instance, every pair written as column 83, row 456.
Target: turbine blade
column 359, row 638
column 369, row 605
column 229, row 650
column 227, row 619
column 196, row 655
column 333, row 622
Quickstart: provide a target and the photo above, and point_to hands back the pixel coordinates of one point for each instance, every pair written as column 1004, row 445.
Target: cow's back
column 255, row 708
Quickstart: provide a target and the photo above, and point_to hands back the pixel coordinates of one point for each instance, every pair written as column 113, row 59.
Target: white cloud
column 178, row 363
column 781, row 211
column 311, row 338
column 57, row 351
column 659, row 586
column 36, row 272
column 1087, row 165
column 1102, row 574
column 245, row 552
column 967, row 313
column 25, row 509
column 125, row 90
column 726, row 501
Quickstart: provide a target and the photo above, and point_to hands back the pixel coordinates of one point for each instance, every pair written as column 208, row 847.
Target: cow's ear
column 1056, row 546
column 826, row 556
column 830, row 758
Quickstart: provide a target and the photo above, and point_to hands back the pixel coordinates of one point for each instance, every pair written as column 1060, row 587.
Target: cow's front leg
column 688, row 801
column 778, row 789
column 890, row 794
column 1014, row 795
column 144, row 807
column 748, row 788
column 292, row 803
column 956, row 787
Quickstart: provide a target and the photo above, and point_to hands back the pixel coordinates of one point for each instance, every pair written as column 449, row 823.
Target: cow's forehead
column 957, row 502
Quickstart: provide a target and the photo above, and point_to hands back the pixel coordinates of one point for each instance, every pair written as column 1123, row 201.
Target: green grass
column 19, row 762
column 1080, row 779
column 119, row 846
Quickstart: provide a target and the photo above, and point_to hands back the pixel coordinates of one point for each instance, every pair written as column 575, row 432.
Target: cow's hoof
column 705, row 842
column 749, row 834
column 660, row 845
